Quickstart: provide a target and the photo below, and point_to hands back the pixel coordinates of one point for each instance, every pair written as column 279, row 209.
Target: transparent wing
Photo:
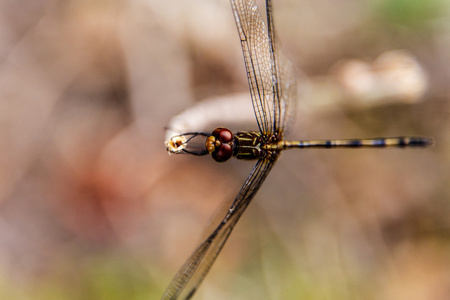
column 270, row 75
column 194, row 270
column 285, row 81
column 286, row 91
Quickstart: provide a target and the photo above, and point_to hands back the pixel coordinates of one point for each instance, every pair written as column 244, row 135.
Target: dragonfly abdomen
column 359, row 143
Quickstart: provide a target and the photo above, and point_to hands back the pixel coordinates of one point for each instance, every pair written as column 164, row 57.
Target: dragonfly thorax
column 248, row 145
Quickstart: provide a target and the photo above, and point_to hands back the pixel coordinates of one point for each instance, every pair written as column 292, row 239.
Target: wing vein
column 191, row 274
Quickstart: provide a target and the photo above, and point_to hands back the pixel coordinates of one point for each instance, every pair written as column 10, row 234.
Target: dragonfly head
column 220, row 144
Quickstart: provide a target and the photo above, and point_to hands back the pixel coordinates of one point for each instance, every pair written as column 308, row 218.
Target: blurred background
column 93, row 207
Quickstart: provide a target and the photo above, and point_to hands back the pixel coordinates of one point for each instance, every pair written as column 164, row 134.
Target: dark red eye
column 224, row 153
column 216, row 131
column 225, row 136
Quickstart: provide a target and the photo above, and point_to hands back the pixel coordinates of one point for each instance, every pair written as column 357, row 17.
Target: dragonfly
column 273, row 89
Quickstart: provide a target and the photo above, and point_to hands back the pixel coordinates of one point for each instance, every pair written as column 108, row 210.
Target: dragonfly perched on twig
column 273, row 89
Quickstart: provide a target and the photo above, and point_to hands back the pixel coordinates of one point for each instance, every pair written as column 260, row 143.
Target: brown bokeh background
column 92, row 207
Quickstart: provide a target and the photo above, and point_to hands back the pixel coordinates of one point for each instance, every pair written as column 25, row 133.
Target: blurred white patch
column 176, row 144
column 393, row 76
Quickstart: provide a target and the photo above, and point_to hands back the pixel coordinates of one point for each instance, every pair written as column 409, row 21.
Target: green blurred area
column 93, row 277
column 412, row 13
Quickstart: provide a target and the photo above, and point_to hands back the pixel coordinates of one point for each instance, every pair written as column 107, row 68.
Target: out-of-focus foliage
column 413, row 13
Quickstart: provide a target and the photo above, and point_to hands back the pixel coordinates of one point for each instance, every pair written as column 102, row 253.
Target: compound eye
column 224, row 153
column 225, row 136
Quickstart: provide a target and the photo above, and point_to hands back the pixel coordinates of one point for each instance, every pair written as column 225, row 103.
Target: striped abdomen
column 358, row 143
